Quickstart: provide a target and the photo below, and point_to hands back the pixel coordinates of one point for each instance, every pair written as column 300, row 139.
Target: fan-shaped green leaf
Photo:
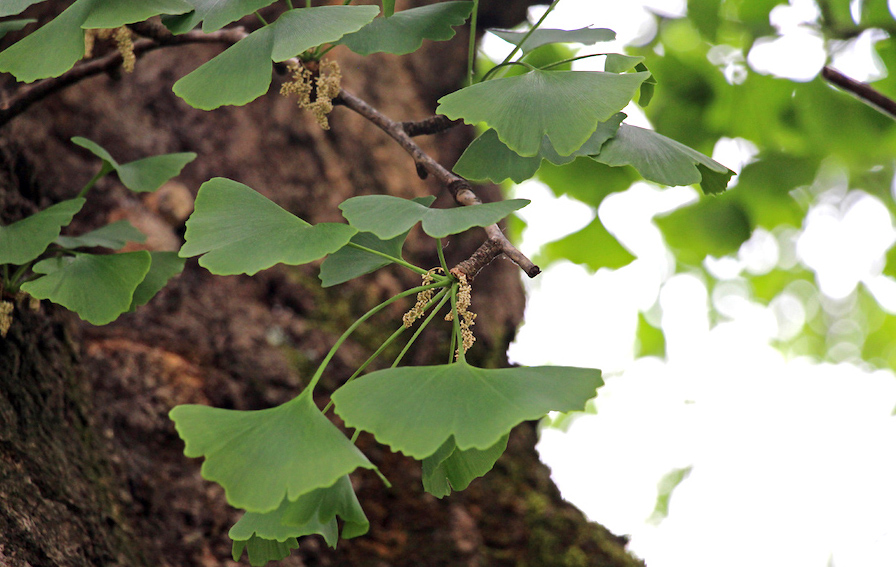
column 54, row 48
column 487, row 158
column 565, row 106
column 263, row 550
column 387, row 216
column 298, row 30
column 165, row 265
column 405, row 31
column 348, row 263
column 663, row 160
column 214, row 14
column 239, row 231
column 142, row 175
column 477, row 406
column 449, row 468
column 13, row 7
column 97, row 288
column 312, row 513
column 242, row 72
column 110, row 14
column 619, row 63
column 148, row 174
column 585, row 36
column 112, row 236
column 261, row 457
column 237, row 76
column 592, row 246
column 14, row 25
column 25, row 240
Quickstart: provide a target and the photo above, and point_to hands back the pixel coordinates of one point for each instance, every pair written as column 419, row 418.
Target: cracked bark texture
column 92, row 471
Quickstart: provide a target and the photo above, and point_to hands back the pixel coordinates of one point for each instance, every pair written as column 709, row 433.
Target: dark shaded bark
column 92, row 471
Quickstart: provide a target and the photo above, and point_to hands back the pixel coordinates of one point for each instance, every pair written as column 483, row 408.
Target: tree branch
column 861, row 90
column 460, row 188
column 28, row 95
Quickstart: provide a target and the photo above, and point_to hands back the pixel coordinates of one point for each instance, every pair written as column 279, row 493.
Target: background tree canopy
column 771, row 305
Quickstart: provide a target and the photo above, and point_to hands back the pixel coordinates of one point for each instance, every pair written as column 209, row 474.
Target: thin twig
column 460, row 189
column 867, row 94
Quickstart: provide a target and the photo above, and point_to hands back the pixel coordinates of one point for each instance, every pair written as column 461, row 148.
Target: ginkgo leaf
column 25, row 239
column 97, row 288
column 13, row 7
column 474, row 405
column 54, row 48
column 405, row 31
column 449, row 468
column 142, row 175
column 487, row 158
column 112, row 236
column 620, row 63
column 14, row 25
column 214, row 14
column 348, row 262
column 663, row 160
column 585, row 36
column 593, row 246
column 387, row 216
column 239, row 231
column 110, row 14
column 312, row 513
column 261, row 457
column 165, row 265
column 261, row 550
column 242, row 72
column 565, row 106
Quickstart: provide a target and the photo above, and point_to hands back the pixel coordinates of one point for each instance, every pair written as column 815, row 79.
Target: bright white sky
column 793, row 462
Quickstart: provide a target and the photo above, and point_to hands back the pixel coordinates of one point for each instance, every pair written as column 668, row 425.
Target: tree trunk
column 91, row 469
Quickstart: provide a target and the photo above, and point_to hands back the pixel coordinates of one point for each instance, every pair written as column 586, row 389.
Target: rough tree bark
column 91, row 469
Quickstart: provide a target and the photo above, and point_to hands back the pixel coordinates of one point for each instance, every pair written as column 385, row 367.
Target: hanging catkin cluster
column 323, row 89
column 6, row 308
column 467, row 317
column 423, row 298
column 124, row 41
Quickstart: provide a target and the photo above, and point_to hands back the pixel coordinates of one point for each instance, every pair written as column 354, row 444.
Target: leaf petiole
column 458, row 341
column 496, row 68
column 519, row 45
column 471, row 51
column 104, row 170
column 399, row 261
column 442, row 256
column 260, row 17
column 323, row 365
column 442, row 297
column 570, row 60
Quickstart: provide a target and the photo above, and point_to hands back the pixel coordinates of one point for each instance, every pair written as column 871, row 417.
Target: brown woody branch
column 460, row 188
column 865, row 93
column 28, row 95
column 431, row 125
